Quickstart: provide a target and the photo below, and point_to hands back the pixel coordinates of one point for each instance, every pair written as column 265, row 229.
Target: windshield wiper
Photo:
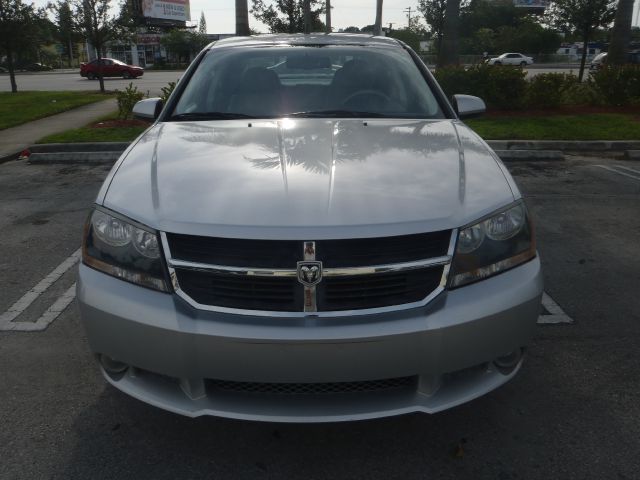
column 339, row 113
column 208, row 116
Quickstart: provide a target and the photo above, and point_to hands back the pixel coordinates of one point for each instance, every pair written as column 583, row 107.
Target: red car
column 110, row 68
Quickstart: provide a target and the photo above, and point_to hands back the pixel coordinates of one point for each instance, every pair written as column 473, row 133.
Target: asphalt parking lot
column 572, row 412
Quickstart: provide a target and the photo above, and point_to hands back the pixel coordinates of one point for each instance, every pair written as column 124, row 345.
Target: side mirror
column 468, row 106
column 147, row 109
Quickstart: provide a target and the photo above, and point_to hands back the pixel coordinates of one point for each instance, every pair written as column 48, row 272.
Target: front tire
column 91, row 76
column 126, row 75
column 523, row 64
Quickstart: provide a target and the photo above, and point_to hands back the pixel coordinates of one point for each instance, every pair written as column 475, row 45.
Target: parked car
column 511, row 59
column 319, row 240
column 600, row 60
column 37, row 67
column 110, row 68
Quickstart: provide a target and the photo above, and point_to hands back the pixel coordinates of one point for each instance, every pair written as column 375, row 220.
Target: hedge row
column 506, row 88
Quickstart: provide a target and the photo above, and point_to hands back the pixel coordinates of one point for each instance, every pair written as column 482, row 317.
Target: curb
column 79, row 147
column 93, row 158
column 527, row 155
column 566, row 146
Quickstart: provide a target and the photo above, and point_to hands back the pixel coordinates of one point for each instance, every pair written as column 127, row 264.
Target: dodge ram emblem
column 309, row 273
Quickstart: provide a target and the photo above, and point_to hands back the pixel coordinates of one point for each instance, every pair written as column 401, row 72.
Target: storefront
column 144, row 52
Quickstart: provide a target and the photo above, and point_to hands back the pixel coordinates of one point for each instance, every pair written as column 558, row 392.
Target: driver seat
column 356, row 76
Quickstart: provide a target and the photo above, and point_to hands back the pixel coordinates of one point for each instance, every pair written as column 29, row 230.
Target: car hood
column 307, row 178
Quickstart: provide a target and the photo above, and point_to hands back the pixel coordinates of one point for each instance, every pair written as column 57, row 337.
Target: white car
column 511, row 59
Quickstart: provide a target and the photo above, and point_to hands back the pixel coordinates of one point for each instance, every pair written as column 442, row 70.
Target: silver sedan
column 308, row 233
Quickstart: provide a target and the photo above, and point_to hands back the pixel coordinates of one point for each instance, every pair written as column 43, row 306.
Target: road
column 151, row 81
column 571, row 413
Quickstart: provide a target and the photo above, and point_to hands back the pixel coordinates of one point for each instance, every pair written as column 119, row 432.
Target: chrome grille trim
column 445, row 261
column 326, row 272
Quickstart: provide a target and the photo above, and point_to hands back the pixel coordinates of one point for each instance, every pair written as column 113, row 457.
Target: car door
column 107, row 68
column 513, row 59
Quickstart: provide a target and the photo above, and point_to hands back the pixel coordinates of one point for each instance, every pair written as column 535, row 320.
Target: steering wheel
column 362, row 93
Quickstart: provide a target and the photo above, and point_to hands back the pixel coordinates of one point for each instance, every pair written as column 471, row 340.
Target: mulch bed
column 565, row 110
column 120, row 124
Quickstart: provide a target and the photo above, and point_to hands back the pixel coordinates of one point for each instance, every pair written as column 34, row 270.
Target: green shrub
column 166, row 92
column 127, row 98
column 618, row 85
column 581, row 93
column 500, row 87
column 547, row 90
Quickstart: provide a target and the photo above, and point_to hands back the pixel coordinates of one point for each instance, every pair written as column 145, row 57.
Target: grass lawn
column 594, row 126
column 23, row 107
column 115, row 131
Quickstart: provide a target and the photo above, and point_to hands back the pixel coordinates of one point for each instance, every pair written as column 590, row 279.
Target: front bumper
column 176, row 352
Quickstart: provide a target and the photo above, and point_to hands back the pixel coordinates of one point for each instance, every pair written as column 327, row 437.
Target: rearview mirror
column 147, row 109
column 468, row 106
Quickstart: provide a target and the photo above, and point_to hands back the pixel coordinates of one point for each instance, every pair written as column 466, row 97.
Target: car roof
column 307, row 39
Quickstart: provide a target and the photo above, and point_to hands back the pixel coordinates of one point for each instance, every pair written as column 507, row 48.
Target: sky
column 220, row 14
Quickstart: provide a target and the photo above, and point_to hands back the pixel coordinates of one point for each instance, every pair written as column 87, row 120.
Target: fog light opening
column 112, row 366
column 507, row 363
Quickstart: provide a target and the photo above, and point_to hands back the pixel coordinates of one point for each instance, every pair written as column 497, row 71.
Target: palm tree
column 242, row 18
column 621, row 33
column 377, row 28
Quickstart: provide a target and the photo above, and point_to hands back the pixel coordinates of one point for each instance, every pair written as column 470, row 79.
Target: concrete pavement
column 14, row 140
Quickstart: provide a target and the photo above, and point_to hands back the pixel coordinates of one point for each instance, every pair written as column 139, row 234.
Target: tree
column 448, row 54
column 582, row 17
column 621, row 33
column 408, row 36
column 183, row 43
column 433, row 12
column 66, row 29
column 97, row 26
column 242, row 18
column 202, row 24
column 377, row 26
column 19, row 30
column 287, row 16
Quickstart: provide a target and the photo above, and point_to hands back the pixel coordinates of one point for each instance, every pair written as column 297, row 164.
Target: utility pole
column 408, row 12
column 377, row 26
column 328, row 19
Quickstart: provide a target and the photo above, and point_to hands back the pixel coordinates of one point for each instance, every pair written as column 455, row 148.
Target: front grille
column 313, row 388
column 353, row 252
column 250, row 293
column 282, row 292
column 378, row 290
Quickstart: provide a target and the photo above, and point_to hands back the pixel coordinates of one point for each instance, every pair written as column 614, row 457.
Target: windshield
column 266, row 82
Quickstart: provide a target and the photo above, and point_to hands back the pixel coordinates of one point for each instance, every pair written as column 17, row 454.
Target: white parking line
column 6, row 319
column 636, row 177
column 628, row 168
column 556, row 314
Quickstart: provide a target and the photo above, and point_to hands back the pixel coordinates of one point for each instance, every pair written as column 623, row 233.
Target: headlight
column 123, row 249
column 493, row 245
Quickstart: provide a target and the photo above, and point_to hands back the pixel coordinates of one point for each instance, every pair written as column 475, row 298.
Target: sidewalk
column 14, row 140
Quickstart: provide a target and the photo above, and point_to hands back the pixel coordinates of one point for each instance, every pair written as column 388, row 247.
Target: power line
column 408, row 12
